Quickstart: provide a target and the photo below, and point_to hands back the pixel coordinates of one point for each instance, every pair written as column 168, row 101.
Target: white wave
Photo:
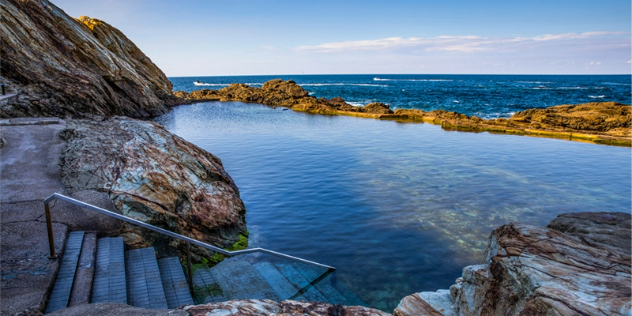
column 356, row 104
column 535, row 82
column 597, row 96
column 255, row 84
column 342, row 84
column 616, row 83
column 455, row 101
column 573, row 88
column 380, row 79
column 311, row 93
column 210, row 84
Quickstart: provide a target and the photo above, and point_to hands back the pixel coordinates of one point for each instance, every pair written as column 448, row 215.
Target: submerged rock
column 270, row 308
column 581, row 269
column 61, row 66
column 154, row 176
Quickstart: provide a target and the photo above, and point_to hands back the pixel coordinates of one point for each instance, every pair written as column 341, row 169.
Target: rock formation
column 579, row 265
column 272, row 308
column 154, row 176
column 600, row 122
column 282, row 93
column 62, row 66
column 605, row 123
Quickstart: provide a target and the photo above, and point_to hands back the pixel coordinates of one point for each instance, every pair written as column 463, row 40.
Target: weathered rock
column 377, row 108
column 277, row 92
column 532, row 270
column 601, row 122
column 270, row 308
column 598, row 229
column 61, row 66
column 154, row 176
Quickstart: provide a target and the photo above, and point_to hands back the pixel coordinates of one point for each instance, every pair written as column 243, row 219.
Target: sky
column 257, row 37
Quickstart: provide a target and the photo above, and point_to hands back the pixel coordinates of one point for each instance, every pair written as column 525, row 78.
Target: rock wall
column 272, row 308
column 581, row 269
column 62, row 66
column 154, row 176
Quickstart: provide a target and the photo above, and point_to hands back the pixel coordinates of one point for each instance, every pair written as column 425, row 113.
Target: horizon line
column 399, row 74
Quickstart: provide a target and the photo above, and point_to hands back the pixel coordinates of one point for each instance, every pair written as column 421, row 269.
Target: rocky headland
column 62, row 66
column 603, row 122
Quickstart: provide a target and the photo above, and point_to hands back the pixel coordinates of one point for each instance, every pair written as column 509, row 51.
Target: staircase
column 97, row 271
column 239, row 278
column 102, row 271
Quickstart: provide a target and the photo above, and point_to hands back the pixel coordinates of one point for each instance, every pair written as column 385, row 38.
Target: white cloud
column 629, row 61
column 464, row 44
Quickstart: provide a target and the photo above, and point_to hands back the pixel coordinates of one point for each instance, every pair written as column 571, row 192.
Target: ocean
column 485, row 96
column 402, row 208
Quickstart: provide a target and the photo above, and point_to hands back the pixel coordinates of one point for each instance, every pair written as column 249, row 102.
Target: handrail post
column 189, row 263
column 49, row 227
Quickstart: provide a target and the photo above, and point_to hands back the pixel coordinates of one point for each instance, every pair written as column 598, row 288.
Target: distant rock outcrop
column 580, row 265
column 154, row 176
column 281, row 93
column 61, row 66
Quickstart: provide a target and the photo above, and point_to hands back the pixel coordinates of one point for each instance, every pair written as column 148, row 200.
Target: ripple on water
column 397, row 208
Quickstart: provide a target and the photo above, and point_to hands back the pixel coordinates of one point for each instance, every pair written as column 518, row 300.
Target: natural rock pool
column 396, row 208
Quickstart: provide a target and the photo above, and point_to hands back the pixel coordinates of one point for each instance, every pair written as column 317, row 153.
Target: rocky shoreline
column 85, row 68
column 601, row 122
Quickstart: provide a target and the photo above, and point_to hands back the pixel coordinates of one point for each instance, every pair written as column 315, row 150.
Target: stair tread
column 310, row 292
column 239, row 280
column 280, row 285
column 109, row 283
column 324, row 286
column 84, row 275
column 62, row 288
column 206, row 288
column 174, row 282
column 144, row 286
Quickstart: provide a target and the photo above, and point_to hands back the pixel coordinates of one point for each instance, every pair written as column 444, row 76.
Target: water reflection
column 397, row 208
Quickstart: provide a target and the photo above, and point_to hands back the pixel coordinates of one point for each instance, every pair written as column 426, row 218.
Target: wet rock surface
column 156, row 177
column 61, row 66
column 269, row 308
column 532, row 270
column 280, row 93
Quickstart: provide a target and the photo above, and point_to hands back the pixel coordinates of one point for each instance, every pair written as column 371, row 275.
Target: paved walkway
column 30, row 171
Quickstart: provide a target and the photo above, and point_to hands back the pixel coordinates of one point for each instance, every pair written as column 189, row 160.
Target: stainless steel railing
column 188, row 240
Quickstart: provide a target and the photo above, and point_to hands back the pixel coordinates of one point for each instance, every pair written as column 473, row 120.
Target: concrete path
column 30, row 171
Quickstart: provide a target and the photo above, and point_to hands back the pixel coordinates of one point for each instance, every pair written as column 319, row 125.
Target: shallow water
column 397, row 208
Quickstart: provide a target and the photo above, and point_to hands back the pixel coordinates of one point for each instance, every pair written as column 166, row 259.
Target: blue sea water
column 396, row 208
column 486, row 96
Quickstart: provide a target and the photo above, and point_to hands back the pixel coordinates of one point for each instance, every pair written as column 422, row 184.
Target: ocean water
column 396, row 208
column 486, row 96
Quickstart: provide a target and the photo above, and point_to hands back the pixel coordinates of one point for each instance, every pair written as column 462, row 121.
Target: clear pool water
column 397, row 208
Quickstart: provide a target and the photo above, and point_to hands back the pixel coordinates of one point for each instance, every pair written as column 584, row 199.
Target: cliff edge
column 61, row 66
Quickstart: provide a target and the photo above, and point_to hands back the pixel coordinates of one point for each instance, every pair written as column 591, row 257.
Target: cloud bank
column 466, row 44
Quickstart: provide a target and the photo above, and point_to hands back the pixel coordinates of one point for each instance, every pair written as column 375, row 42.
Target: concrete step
column 144, row 285
column 62, row 288
column 280, row 285
column 323, row 285
column 205, row 288
column 82, row 286
column 309, row 292
column 174, row 282
column 109, row 283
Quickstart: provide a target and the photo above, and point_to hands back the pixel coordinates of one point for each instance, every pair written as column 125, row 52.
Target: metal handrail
column 188, row 240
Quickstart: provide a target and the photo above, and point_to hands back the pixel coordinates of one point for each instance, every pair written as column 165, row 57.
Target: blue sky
column 205, row 38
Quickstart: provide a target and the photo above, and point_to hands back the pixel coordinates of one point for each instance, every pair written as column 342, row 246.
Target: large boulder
column 61, row 66
column 154, row 176
column 584, row 269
